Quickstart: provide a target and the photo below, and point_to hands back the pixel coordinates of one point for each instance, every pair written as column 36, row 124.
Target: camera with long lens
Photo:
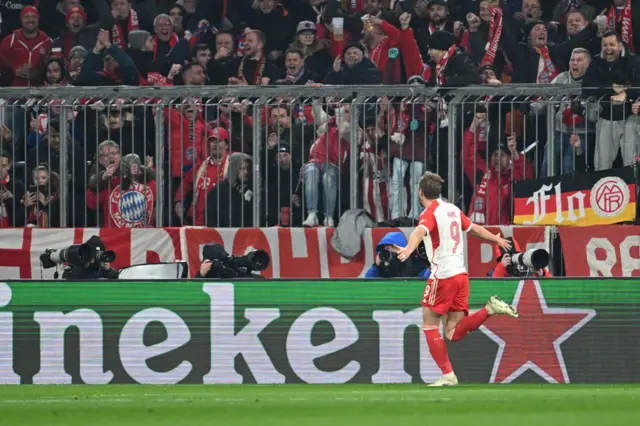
column 93, row 252
column 224, row 265
column 530, row 260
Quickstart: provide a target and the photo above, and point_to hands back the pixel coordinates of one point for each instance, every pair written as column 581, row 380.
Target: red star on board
column 533, row 340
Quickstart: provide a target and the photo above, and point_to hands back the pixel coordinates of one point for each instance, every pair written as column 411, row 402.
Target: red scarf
column 172, row 42
column 570, row 119
column 67, row 45
column 257, row 74
column 495, row 31
column 626, row 28
column 117, row 35
column 549, row 71
column 442, row 65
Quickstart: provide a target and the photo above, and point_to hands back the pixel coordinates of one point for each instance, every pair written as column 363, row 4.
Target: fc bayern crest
column 132, row 208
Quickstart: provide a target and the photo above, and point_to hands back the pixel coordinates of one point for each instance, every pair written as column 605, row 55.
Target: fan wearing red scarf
column 534, row 59
column 77, row 32
column 254, row 68
column 482, row 38
column 126, row 20
column 621, row 19
column 165, row 38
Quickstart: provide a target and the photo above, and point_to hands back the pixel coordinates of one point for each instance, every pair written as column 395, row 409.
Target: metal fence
column 288, row 156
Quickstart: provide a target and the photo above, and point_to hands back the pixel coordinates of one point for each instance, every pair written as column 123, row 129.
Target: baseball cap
column 219, row 133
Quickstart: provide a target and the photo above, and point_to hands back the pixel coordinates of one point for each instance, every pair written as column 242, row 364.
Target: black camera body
column 81, row 259
column 224, row 265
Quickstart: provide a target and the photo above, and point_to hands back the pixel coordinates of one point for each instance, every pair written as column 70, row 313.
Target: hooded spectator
column 230, row 203
column 196, row 185
column 26, row 50
column 108, row 65
column 315, row 51
column 254, row 68
column 12, row 212
column 613, row 78
column 76, row 32
column 356, row 70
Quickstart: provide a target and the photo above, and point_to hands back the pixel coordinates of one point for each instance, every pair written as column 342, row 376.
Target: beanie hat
column 138, row 38
column 305, row 26
column 28, row 9
column 353, row 45
column 441, row 40
column 78, row 51
column 526, row 29
column 76, row 9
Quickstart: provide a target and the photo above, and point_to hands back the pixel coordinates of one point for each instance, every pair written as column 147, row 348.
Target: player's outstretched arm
column 482, row 233
column 416, row 236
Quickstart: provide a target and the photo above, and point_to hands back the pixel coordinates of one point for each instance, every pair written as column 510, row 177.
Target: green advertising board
column 358, row 331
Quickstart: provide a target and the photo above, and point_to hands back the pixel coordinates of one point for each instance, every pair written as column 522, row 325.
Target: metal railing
column 294, row 151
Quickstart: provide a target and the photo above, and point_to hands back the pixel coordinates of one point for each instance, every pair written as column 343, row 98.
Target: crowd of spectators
column 207, row 157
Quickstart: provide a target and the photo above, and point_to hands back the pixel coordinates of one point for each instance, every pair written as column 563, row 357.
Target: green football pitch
column 335, row 405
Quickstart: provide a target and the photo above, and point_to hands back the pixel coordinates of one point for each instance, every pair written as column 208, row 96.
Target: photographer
column 88, row 261
column 516, row 263
column 387, row 264
column 218, row 264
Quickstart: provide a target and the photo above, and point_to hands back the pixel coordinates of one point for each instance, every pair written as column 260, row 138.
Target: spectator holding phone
column 41, row 199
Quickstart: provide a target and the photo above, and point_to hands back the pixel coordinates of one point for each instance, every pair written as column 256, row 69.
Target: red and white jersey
column 445, row 224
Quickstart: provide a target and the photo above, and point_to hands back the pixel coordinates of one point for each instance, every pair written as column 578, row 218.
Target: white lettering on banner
column 629, row 263
column 393, row 325
column 156, row 240
column 603, row 267
column 134, row 353
column 539, row 200
column 53, row 327
column 302, row 353
column 571, row 216
column 8, row 375
column 226, row 344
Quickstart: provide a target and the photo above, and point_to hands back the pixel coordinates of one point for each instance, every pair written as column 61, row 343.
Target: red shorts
column 447, row 294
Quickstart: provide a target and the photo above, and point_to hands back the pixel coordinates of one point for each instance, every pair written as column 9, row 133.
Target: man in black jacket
column 613, row 77
column 357, row 69
column 453, row 67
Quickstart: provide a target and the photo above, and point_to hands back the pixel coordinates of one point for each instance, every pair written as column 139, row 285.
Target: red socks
column 469, row 324
column 438, row 349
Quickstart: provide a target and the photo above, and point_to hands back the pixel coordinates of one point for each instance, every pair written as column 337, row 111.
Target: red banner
column 601, row 251
column 295, row 253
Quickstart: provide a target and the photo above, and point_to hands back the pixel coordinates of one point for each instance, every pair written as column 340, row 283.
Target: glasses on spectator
column 112, row 153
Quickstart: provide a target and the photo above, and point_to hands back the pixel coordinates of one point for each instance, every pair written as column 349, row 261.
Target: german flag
column 580, row 199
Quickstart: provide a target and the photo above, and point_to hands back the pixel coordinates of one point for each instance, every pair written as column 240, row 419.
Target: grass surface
column 302, row 405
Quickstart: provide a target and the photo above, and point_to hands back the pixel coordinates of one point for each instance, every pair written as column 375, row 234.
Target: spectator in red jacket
column 492, row 200
column 208, row 173
column 26, row 50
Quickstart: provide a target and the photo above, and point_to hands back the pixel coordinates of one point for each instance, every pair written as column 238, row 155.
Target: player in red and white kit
column 447, row 293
